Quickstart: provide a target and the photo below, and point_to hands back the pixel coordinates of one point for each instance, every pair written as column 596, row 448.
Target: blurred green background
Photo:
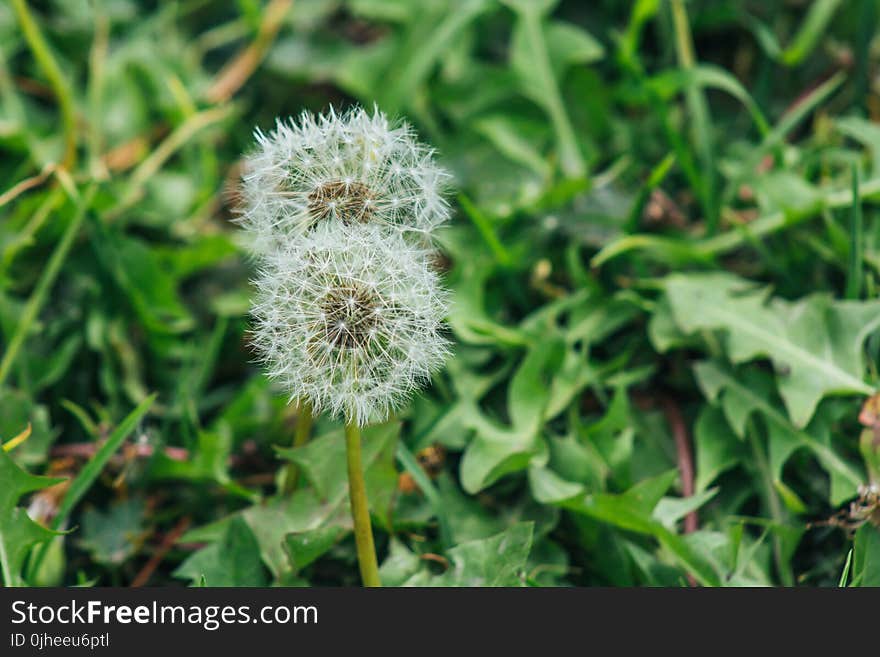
column 664, row 260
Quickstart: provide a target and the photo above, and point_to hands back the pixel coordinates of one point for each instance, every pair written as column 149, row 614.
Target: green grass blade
column 487, row 231
column 845, row 574
column 856, row 246
column 90, row 472
column 699, row 111
column 812, row 29
column 87, row 476
column 38, row 296
column 408, row 461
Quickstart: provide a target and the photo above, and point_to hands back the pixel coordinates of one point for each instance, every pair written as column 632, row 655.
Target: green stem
column 304, row 421
column 360, row 509
column 52, row 71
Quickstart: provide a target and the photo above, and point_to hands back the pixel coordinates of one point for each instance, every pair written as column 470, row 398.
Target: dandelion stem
column 360, row 510
column 304, row 421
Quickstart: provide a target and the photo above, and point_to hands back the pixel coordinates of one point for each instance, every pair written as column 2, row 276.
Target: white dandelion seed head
column 355, row 167
column 350, row 318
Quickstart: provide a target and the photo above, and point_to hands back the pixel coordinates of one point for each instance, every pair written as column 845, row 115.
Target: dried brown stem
column 233, row 76
column 165, row 546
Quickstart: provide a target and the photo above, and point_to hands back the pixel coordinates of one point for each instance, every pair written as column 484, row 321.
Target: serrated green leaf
column 752, row 393
column 815, row 344
column 496, row 561
column 18, row 533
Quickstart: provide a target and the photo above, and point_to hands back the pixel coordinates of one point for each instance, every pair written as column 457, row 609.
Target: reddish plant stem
column 165, row 546
column 682, row 438
column 87, row 450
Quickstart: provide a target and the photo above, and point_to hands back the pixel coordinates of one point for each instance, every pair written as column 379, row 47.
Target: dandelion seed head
column 355, row 167
column 349, row 317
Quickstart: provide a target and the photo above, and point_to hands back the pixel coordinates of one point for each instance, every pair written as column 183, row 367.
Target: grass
column 665, row 249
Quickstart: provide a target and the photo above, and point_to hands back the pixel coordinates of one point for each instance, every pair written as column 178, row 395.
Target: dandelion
column 348, row 311
column 356, row 168
column 349, row 318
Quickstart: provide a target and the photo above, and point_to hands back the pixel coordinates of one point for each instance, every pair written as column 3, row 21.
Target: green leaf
column 752, row 393
column 648, row 492
column 305, row 547
column 497, row 450
column 786, row 191
column 530, row 58
column 470, row 520
column 549, row 488
column 812, row 29
column 621, row 511
column 496, row 561
column 322, row 461
column 674, row 81
column 507, row 135
column 427, row 488
column 569, row 44
column 669, row 510
column 815, row 344
column 423, row 44
column 400, row 565
column 234, row 560
column 138, row 272
column 113, row 537
column 866, row 556
column 717, row 447
column 325, row 503
column 209, row 462
column 865, row 132
column 87, row 476
column 578, row 461
column 18, row 533
column 17, row 410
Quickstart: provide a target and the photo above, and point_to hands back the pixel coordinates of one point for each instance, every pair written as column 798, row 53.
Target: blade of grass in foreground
column 87, row 476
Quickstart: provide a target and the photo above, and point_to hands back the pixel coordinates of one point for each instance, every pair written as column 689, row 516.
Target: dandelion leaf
column 815, row 344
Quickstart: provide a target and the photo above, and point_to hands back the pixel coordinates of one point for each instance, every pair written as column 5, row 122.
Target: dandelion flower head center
column 350, row 315
column 351, row 201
